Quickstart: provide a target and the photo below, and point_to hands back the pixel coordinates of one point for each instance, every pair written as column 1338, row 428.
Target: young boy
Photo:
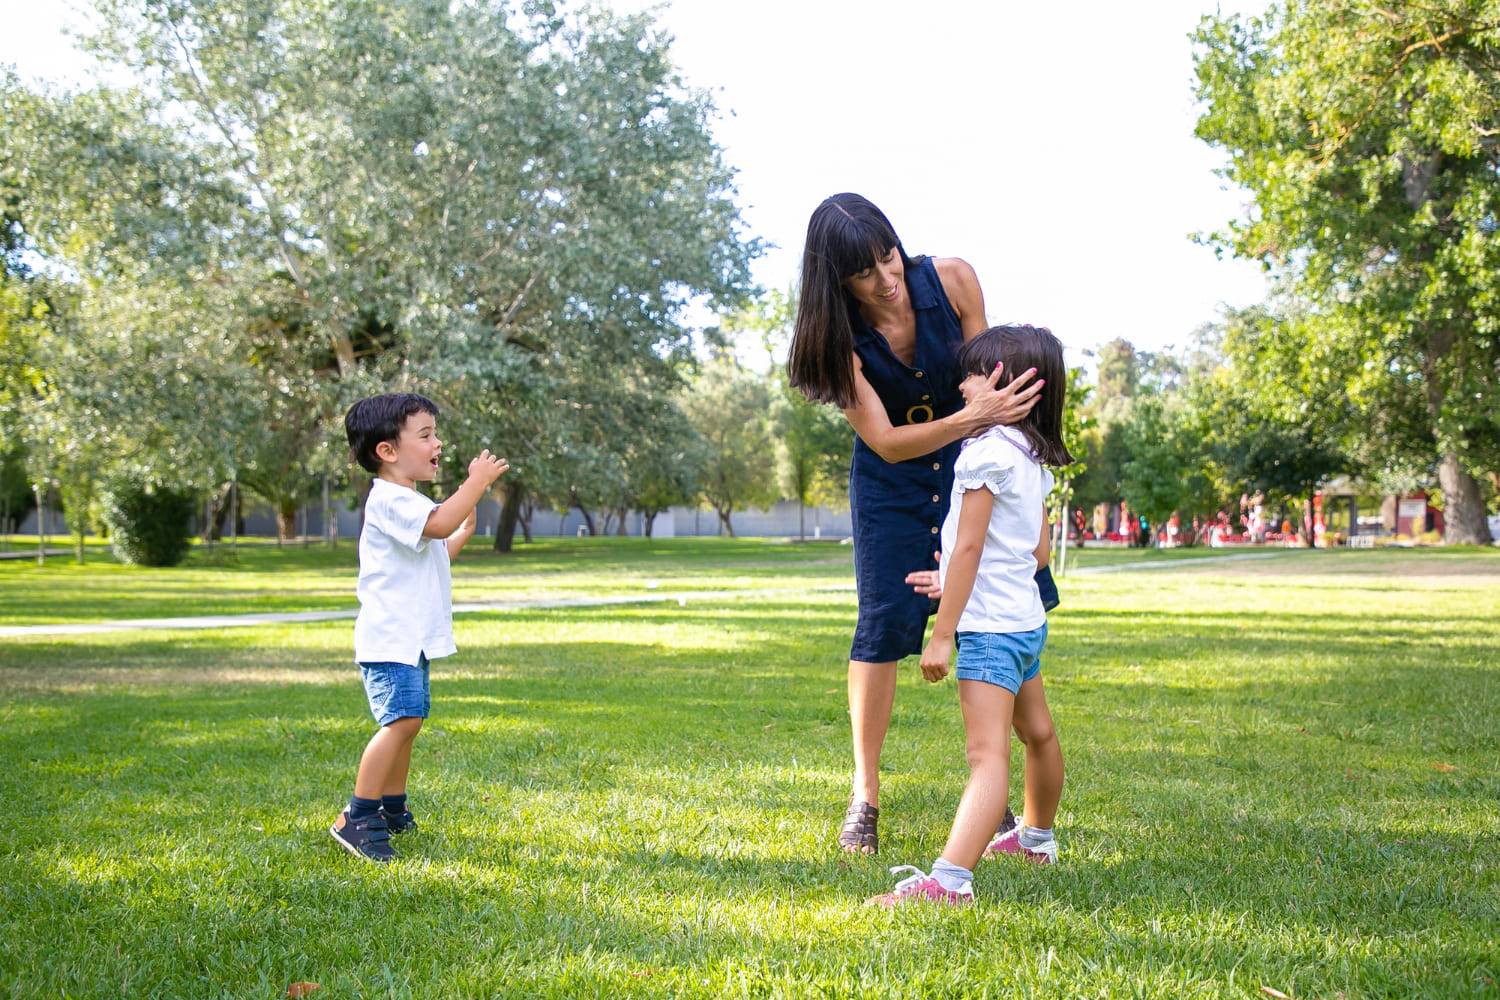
column 405, row 602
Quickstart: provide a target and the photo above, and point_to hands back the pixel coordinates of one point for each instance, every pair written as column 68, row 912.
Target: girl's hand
column 935, row 658
column 1003, row 406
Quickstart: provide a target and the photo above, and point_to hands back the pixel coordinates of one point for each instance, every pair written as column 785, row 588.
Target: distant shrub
column 148, row 523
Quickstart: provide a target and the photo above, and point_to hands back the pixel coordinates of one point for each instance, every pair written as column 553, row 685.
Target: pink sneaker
column 1009, row 842
column 922, row 887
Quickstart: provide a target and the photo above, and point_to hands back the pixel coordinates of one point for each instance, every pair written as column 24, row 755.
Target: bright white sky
column 1050, row 145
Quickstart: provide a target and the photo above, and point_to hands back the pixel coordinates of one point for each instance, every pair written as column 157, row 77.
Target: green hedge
column 148, row 524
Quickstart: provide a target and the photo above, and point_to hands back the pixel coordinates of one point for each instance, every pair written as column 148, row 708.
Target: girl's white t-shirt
column 1005, row 597
column 405, row 589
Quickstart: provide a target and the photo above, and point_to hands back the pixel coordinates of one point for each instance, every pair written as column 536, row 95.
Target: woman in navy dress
column 877, row 334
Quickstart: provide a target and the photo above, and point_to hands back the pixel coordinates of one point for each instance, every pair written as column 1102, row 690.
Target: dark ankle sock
column 394, row 805
column 362, row 808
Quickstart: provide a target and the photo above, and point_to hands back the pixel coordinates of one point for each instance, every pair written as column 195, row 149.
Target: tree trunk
column 588, row 519
column 1464, row 521
column 648, row 519
column 220, row 509
column 724, row 516
column 286, row 520
column 1308, row 523
column 801, row 520
column 511, row 497
column 526, row 511
column 624, row 514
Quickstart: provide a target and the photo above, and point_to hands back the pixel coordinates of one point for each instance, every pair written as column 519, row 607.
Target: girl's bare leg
column 1044, row 762
column 987, row 712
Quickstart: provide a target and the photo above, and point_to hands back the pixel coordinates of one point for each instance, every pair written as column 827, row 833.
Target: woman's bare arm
column 961, row 285
column 898, row 444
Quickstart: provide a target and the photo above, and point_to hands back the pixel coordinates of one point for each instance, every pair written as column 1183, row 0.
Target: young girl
column 993, row 540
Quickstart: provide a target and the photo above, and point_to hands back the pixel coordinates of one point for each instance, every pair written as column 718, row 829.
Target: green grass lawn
column 1281, row 773
column 258, row 576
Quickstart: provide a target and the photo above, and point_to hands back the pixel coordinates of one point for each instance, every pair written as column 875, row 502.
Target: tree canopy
column 1368, row 136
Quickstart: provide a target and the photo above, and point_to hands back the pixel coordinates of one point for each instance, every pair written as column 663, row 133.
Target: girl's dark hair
column 1021, row 347
column 845, row 235
column 380, row 418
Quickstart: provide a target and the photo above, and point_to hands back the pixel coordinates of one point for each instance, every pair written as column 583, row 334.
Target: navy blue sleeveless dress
column 898, row 507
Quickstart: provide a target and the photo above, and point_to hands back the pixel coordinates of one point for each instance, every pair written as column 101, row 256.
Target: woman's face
column 882, row 284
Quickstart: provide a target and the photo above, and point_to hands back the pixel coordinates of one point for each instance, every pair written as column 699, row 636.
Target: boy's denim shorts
column 1005, row 659
column 397, row 690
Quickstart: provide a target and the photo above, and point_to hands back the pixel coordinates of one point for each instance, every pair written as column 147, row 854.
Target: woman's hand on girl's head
column 1008, row 405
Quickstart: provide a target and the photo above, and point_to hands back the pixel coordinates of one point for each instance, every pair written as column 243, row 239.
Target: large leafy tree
column 1368, row 136
column 1166, row 467
column 814, row 445
column 509, row 209
column 729, row 407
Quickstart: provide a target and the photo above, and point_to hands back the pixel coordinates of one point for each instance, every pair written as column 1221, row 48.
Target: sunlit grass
column 1281, row 773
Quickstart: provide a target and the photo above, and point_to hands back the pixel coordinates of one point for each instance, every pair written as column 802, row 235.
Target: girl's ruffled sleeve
column 983, row 466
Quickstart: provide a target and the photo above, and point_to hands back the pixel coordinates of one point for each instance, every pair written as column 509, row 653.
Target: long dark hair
column 845, row 235
column 1020, row 347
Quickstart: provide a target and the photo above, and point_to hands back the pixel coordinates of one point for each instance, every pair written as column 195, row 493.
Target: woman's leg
column 872, row 692
column 1044, row 762
column 987, row 712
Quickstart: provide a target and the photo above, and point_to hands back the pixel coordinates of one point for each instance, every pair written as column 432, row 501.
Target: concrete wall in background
column 781, row 521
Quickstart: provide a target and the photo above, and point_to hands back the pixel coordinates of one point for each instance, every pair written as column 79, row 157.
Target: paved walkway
column 293, row 617
column 543, row 604
column 31, row 553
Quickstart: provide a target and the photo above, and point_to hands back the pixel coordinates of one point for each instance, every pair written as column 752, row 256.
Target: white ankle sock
column 951, row 876
column 1033, row 837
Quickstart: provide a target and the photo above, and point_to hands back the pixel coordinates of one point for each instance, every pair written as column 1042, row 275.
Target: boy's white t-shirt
column 405, row 589
column 1005, row 597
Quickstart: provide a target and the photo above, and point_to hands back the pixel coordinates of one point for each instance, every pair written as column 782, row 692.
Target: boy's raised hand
column 935, row 658
column 487, row 468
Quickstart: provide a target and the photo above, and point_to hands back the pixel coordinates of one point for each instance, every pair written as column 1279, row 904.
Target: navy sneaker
column 367, row 838
column 401, row 822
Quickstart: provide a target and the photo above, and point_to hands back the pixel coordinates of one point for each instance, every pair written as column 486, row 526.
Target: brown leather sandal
column 859, row 835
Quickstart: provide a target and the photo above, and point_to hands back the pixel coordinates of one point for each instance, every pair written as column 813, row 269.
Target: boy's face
column 414, row 454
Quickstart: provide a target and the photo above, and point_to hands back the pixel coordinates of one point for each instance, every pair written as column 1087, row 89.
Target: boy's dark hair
column 380, row 418
column 845, row 235
column 1021, row 347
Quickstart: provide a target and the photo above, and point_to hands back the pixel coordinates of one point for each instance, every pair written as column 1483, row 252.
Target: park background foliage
column 518, row 210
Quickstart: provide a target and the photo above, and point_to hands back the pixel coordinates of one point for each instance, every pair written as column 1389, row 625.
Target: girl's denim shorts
column 397, row 690
column 1005, row 659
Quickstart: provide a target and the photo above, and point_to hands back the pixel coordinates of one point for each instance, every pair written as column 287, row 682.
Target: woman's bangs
column 858, row 244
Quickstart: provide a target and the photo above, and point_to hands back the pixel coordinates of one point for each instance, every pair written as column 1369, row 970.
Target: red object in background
column 1415, row 515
